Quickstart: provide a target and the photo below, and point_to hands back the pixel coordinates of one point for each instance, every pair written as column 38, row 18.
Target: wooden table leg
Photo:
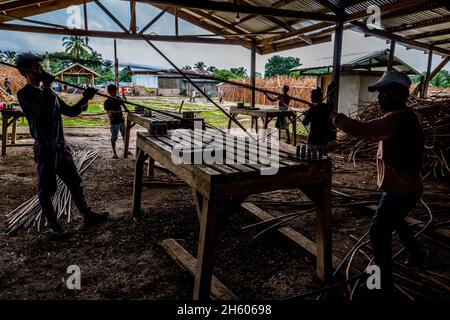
column 323, row 234
column 206, row 247
column 14, row 129
column 127, row 138
column 256, row 124
column 294, row 130
column 320, row 195
column 4, row 134
column 151, row 168
column 137, row 188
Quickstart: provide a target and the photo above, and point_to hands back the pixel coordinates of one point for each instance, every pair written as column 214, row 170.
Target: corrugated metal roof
column 395, row 13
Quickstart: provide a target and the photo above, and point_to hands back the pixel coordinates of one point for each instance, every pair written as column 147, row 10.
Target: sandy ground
column 123, row 260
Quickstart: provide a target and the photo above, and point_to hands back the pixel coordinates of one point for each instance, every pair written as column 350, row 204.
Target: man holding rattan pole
column 43, row 110
column 399, row 165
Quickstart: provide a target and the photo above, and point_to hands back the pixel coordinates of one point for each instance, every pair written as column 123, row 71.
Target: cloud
column 220, row 56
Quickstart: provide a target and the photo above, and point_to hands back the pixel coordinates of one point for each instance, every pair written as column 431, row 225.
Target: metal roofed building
column 358, row 71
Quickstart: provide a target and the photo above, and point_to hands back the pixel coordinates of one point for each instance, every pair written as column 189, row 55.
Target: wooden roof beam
column 248, row 9
column 296, row 32
column 380, row 33
column 429, row 34
column 276, row 5
column 159, row 15
column 418, row 7
column 218, row 21
column 109, row 14
column 293, row 45
column 117, row 35
column 31, row 8
column 385, row 9
column 440, row 42
column 421, row 24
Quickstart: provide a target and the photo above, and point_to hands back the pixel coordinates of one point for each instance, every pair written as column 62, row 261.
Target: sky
column 135, row 52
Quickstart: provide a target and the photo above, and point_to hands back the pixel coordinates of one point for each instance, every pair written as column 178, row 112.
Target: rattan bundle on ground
column 29, row 213
column 434, row 113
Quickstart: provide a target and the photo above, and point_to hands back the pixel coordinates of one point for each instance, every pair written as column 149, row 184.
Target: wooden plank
column 206, row 247
column 186, row 261
column 289, row 233
column 137, row 187
column 200, row 179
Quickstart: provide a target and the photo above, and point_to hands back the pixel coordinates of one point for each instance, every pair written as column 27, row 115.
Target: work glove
column 89, row 93
column 47, row 79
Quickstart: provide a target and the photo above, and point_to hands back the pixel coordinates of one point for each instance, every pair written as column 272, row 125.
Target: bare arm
column 382, row 128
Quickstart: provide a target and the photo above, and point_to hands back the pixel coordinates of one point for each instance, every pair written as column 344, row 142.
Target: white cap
column 390, row 77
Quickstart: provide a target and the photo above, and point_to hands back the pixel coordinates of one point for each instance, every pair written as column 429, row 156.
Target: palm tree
column 95, row 59
column 9, row 56
column 108, row 65
column 77, row 46
column 200, row 66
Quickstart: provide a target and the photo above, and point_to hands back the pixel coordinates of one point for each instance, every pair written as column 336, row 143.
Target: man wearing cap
column 43, row 110
column 399, row 164
column 114, row 106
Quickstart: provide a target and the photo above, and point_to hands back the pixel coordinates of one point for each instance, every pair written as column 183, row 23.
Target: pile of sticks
column 434, row 113
column 29, row 213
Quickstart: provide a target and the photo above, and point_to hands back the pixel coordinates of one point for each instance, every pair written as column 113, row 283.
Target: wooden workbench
column 266, row 115
column 218, row 188
column 9, row 119
column 174, row 122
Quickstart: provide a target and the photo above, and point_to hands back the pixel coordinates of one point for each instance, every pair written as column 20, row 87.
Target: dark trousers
column 390, row 216
column 50, row 164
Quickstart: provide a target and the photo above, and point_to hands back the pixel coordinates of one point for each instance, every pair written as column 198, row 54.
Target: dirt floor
column 123, row 260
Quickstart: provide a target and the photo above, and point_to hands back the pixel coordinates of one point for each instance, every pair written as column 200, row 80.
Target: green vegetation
column 279, row 66
column 440, row 80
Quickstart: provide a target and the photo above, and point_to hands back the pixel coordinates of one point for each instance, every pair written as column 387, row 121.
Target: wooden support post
column 206, row 248
column 151, row 168
column 337, row 52
column 138, row 175
column 13, row 133
column 391, row 56
column 175, row 13
column 133, row 27
column 86, row 27
column 323, row 234
column 185, row 260
column 294, row 130
column 433, row 73
column 116, row 65
column 253, row 72
column 4, row 133
column 428, row 77
column 129, row 125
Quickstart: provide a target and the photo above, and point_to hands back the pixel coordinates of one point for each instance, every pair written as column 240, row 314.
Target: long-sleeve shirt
column 318, row 116
column 400, row 148
column 43, row 110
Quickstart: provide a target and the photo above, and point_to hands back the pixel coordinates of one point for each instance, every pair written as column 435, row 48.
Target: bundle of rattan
column 29, row 213
column 434, row 113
